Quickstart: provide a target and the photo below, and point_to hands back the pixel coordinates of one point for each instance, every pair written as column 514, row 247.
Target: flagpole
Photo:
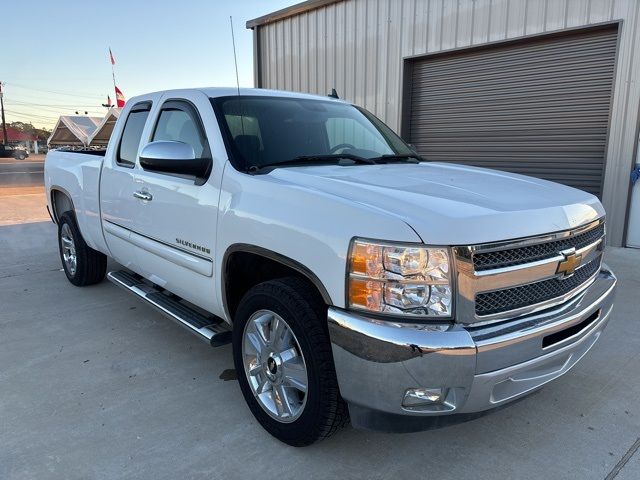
column 113, row 75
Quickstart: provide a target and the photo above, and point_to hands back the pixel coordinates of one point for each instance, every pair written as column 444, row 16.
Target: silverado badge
column 193, row 246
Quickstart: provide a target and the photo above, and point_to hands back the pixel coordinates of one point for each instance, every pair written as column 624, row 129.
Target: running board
column 210, row 328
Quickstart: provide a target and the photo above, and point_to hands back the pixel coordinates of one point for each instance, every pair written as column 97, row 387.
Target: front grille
column 513, row 298
column 532, row 253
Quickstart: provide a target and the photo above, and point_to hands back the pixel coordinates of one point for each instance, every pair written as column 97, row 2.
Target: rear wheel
column 82, row 264
column 21, row 156
column 283, row 358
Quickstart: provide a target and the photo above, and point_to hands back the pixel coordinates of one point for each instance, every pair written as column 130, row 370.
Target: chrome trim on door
column 179, row 256
column 195, row 263
column 116, row 230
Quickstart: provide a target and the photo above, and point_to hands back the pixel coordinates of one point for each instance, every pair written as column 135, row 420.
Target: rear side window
column 130, row 141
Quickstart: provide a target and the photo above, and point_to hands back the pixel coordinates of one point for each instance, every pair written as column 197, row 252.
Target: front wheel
column 82, row 264
column 283, row 358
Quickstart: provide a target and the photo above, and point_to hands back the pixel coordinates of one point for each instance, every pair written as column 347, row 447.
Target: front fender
column 310, row 227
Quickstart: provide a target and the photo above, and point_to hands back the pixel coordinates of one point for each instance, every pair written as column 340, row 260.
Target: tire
column 323, row 411
column 21, row 156
column 90, row 266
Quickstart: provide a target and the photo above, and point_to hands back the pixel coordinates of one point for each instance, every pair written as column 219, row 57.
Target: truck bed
column 97, row 152
column 77, row 174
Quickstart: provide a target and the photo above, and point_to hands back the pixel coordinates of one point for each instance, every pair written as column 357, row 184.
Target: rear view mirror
column 173, row 157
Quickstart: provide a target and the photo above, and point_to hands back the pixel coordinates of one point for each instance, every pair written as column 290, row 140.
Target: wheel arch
column 61, row 202
column 267, row 266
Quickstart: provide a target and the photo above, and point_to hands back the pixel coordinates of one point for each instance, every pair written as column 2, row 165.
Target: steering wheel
column 341, row 146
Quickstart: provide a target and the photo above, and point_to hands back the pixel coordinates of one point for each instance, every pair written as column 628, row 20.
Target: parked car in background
column 353, row 277
column 9, row 151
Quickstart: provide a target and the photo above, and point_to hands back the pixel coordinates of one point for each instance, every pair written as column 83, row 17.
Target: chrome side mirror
column 173, row 157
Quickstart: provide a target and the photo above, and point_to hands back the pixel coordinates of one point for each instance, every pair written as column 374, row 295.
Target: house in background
column 17, row 137
column 543, row 88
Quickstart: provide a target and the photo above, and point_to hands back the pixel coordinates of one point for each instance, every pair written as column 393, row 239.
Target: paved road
column 28, row 172
column 96, row 385
column 22, row 197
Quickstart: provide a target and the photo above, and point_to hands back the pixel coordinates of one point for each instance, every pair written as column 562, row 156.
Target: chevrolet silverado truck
column 355, row 279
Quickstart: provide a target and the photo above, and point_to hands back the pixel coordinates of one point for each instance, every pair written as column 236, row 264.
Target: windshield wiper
column 309, row 159
column 404, row 157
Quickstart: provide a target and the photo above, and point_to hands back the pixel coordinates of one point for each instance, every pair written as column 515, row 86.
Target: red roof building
column 15, row 135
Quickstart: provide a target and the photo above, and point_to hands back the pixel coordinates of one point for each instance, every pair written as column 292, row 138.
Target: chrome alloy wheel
column 68, row 249
column 274, row 365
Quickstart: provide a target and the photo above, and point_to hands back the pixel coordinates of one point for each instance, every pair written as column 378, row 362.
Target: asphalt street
column 28, row 172
column 22, row 197
column 23, row 173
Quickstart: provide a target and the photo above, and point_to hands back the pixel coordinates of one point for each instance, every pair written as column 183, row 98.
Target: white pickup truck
column 355, row 279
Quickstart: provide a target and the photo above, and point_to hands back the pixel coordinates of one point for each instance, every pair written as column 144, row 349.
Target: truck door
column 174, row 224
column 117, row 183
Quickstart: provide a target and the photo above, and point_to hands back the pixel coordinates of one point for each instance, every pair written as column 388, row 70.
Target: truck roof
column 214, row 92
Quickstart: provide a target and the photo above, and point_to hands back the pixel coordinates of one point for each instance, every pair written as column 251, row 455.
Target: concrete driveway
column 94, row 384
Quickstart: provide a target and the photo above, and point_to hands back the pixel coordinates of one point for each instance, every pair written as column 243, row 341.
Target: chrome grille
column 509, row 279
column 532, row 253
column 518, row 297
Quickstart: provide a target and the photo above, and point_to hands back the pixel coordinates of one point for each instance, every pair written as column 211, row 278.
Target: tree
column 41, row 133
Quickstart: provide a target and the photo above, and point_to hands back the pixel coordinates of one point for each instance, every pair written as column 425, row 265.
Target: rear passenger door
column 175, row 229
column 117, row 184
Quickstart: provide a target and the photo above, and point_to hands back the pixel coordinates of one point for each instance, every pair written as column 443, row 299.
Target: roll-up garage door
column 539, row 107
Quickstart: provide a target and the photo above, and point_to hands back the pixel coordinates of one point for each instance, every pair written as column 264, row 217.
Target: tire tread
column 91, row 264
column 299, row 296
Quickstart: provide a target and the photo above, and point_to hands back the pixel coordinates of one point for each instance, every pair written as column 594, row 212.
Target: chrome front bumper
column 479, row 368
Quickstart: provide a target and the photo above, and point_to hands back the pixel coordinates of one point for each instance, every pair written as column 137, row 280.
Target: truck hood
column 448, row 204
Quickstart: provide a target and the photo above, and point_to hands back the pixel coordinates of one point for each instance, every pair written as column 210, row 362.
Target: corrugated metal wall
column 358, row 47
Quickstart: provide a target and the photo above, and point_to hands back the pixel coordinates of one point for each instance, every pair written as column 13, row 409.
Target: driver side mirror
column 173, row 157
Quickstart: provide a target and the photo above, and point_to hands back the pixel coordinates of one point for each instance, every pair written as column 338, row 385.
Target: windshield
column 273, row 130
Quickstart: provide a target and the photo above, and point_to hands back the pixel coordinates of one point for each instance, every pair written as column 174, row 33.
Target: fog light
column 415, row 397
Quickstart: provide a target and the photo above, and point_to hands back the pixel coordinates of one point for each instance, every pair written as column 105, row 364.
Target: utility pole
column 4, row 123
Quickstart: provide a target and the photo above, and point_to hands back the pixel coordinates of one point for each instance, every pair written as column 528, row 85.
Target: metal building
column 548, row 88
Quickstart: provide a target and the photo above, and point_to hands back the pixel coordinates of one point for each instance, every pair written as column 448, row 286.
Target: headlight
column 400, row 279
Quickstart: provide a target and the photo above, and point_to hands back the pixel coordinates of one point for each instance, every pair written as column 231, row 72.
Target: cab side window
column 131, row 135
column 179, row 122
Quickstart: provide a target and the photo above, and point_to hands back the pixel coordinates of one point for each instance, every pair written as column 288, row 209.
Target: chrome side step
column 208, row 327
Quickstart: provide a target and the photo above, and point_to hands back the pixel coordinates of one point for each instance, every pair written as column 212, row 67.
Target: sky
column 56, row 53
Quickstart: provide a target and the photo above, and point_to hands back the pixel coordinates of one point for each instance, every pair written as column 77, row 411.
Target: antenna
column 235, row 61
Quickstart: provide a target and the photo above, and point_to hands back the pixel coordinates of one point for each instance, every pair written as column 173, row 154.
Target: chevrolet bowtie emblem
column 571, row 261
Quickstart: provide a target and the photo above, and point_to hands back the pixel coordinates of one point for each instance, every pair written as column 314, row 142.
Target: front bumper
column 479, row 368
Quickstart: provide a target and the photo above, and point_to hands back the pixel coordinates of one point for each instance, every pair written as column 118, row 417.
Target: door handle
column 146, row 196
